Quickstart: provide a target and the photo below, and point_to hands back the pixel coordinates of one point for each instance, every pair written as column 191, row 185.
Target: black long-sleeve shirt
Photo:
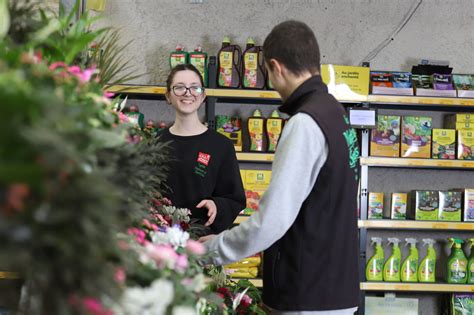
column 205, row 167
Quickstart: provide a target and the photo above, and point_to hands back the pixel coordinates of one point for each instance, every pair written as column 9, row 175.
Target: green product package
column 450, row 203
column 457, row 263
column 374, row 268
column 391, row 269
column 427, row 267
column 462, row 304
column 425, row 205
column 410, row 265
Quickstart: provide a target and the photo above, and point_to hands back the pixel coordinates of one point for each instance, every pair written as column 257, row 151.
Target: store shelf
column 255, row 157
column 8, row 275
column 416, row 225
column 420, row 100
column 416, row 287
column 137, row 89
column 416, row 163
column 274, row 96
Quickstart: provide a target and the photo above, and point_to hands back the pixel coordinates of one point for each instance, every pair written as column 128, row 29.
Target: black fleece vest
column 314, row 266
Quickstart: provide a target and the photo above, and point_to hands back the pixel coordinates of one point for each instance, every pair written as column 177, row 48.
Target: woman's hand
column 211, row 210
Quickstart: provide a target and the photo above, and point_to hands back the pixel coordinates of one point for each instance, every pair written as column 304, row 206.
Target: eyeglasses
column 181, row 90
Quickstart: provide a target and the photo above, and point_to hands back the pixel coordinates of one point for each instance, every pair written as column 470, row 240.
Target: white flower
column 183, row 214
column 159, row 238
column 184, row 310
column 148, row 301
column 177, row 237
column 199, row 283
column 169, row 210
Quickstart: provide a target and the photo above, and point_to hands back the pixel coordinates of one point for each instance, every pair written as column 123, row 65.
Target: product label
column 427, row 205
column 458, row 270
column 225, row 70
column 274, row 128
column 203, row 160
column 392, row 270
column 375, row 206
column 376, row 270
column 469, row 205
column 427, row 270
column 416, row 136
column 256, row 134
column 450, row 203
column 399, row 206
column 250, row 72
column 466, row 144
column 444, row 144
column 177, row 59
column 199, row 61
column 255, row 184
column 385, row 139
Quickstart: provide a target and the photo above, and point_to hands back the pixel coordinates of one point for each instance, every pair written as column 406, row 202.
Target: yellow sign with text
column 96, row 5
column 347, row 83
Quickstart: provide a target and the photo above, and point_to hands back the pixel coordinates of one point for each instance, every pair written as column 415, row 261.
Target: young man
column 307, row 223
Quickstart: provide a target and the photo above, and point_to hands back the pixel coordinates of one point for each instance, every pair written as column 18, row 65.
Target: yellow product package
column 251, row 272
column 256, row 183
column 253, row 261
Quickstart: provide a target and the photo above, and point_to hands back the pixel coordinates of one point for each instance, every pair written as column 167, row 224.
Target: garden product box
column 231, row 127
column 451, row 120
column 450, row 206
column 391, row 83
column 425, row 205
column 416, row 136
column 464, row 84
column 461, row 304
column 256, row 183
column 466, row 144
column 464, row 126
column 443, row 144
column 398, row 209
column 469, row 204
column 375, row 209
column 385, row 139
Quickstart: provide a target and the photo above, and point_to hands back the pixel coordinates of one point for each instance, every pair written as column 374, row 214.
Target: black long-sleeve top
column 205, row 167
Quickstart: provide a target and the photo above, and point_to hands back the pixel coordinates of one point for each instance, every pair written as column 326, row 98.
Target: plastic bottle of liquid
column 374, row 268
column 256, row 131
column 410, row 265
column 198, row 58
column 229, row 65
column 470, row 263
column 253, row 68
column 427, row 268
column 457, row 262
column 179, row 56
column 391, row 269
column 274, row 130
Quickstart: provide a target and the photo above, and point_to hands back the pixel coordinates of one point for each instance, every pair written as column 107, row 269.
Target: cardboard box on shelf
column 416, row 136
column 375, row 209
column 466, row 144
column 425, row 205
column 256, row 183
column 385, row 139
column 450, row 206
column 398, row 207
column 443, row 144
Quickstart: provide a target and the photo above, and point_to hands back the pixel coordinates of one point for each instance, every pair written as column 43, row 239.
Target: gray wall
column 347, row 30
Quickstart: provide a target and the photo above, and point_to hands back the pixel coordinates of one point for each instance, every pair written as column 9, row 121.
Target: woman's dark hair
column 182, row 67
column 293, row 43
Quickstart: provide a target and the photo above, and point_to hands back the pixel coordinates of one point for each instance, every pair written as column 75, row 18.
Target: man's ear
column 276, row 66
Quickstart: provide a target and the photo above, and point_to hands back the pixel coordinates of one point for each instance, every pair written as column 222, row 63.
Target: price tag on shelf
column 363, row 118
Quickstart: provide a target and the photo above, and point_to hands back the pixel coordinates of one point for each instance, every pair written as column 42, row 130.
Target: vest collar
column 314, row 84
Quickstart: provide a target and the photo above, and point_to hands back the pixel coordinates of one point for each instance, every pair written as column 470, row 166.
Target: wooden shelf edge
column 410, row 224
column 407, row 162
column 417, row 287
column 273, row 95
column 255, row 157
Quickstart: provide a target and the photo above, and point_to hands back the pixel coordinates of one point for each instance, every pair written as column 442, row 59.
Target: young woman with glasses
column 204, row 173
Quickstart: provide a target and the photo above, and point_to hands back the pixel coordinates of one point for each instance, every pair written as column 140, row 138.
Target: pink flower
column 74, row 70
column 163, row 255
column 56, row 65
column 87, row 74
column 123, row 118
column 196, row 248
column 139, row 235
column 109, row 94
column 120, row 275
column 94, row 307
column 181, row 263
column 187, row 282
column 246, row 300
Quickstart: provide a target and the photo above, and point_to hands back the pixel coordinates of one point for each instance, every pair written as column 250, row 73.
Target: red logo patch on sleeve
column 204, row 158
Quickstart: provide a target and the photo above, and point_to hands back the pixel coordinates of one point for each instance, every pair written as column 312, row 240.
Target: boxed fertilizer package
column 461, row 304
column 450, row 206
column 451, row 120
column 466, row 144
column 231, row 127
column 425, row 205
column 464, row 84
column 375, row 205
column 443, row 144
column 398, row 209
column 385, row 139
column 469, row 204
column 256, row 183
column 416, row 136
